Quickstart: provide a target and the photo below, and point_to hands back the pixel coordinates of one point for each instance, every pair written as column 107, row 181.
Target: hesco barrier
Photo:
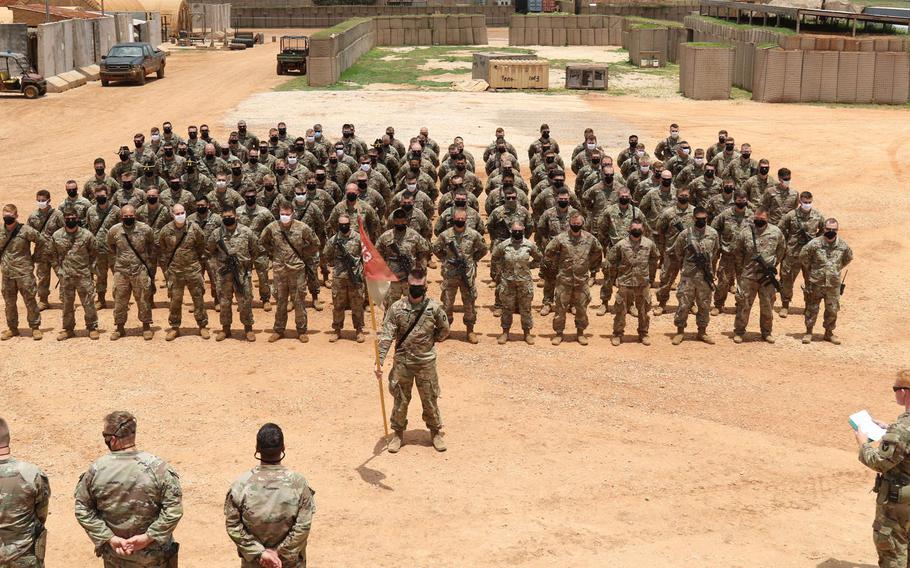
column 831, row 76
column 646, row 44
column 279, row 14
column 334, row 50
column 565, row 29
column 438, row 29
column 675, row 12
column 706, row 71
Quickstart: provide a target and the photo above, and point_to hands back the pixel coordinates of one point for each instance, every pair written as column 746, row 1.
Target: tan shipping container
column 519, row 74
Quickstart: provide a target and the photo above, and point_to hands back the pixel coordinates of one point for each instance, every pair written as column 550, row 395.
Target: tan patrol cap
column 903, row 378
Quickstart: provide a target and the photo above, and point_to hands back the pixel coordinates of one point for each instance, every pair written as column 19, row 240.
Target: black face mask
column 501, row 149
column 127, row 185
column 344, row 229
column 72, row 192
column 205, row 134
column 301, row 148
column 209, row 157
column 225, row 152
column 416, row 290
column 415, row 169
column 408, row 207
column 760, row 223
column 347, row 134
column 595, row 161
column 175, row 186
column 608, row 178
column 167, row 129
column 169, row 153
column 138, row 144
column 550, row 159
column 229, row 221
column 281, row 171
column 333, row 161
column 460, row 203
column 311, row 186
column 562, row 204
column 254, row 159
column 193, row 135
column 575, row 228
column 721, row 139
column 241, row 129
column 100, row 199
column 362, row 184
column 71, row 223
column 728, row 190
column 517, row 235
column 728, row 147
column 8, row 220
column 764, row 170
column 666, row 182
column 250, row 200
column 701, row 223
column 129, row 221
column 320, row 178
column 149, row 172
column 124, row 156
column 273, row 139
column 182, row 153
column 152, row 199
column 741, row 204
column 459, row 223
column 545, row 134
column 202, row 210
column 282, row 131
column 236, row 171
column 633, row 145
column 190, row 169
column 682, row 200
column 557, row 183
column 399, row 228
column 625, row 200
column 829, row 234
column 635, row 233
column 351, row 197
column 746, row 155
column 709, row 174
column 99, row 171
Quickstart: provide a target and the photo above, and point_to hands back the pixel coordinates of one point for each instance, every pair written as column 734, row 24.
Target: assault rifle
column 769, row 272
column 351, row 265
column 458, row 265
column 701, row 261
column 405, row 263
column 231, row 264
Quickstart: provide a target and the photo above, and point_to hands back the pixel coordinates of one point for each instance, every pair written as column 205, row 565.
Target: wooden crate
column 519, row 74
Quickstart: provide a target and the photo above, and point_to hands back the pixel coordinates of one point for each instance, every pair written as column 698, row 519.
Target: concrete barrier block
column 91, row 72
column 57, row 85
column 74, row 78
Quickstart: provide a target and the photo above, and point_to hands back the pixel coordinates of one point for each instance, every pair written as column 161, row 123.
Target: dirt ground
column 732, row 455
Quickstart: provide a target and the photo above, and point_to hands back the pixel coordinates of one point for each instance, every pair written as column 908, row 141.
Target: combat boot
column 100, row 303
column 680, row 335
column 93, row 334
column 266, row 306
column 737, row 339
column 658, row 309
column 204, row 333
column 318, row 304
column 147, row 333
column 704, row 337
column 37, row 334
column 768, row 338
column 557, row 339
column 602, row 310
column 223, row 334
column 784, row 311
column 472, row 337
column 438, row 442
column 831, row 338
column 118, row 333
column 9, row 334
column 545, row 309
column 395, row 442
column 807, row 338
column 360, row 337
column 644, row 340
column 64, row 335
column 275, row 336
column 43, row 305
column 503, row 337
column 171, row 334
column 715, row 311
column 302, row 336
column 497, row 312
column 250, row 336
column 333, row 336
column 217, row 306
column 582, row 339
column 529, row 337
column 616, row 340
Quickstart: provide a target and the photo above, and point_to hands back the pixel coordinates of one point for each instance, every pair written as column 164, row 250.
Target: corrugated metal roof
column 57, row 11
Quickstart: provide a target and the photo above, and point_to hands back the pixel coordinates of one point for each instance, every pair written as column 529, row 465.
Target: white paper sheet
column 862, row 421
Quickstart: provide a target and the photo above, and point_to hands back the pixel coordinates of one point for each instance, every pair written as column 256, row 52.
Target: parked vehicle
column 132, row 62
column 293, row 54
column 18, row 76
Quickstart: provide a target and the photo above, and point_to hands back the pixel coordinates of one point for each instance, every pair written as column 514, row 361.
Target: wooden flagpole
column 385, row 421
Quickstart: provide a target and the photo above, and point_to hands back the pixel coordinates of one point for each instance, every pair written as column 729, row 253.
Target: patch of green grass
column 737, row 94
column 728, row 23
column 339, row 28
column 626, row 67
column 658, row 23
column 716, row 44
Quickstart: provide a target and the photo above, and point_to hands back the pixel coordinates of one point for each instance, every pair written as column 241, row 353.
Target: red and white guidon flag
column 376, row 272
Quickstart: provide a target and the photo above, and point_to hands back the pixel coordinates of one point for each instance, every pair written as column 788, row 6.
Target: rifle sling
column 293, row 248
column 404, row 337
column 177, row 247
column 129, row 243
column 10, row 239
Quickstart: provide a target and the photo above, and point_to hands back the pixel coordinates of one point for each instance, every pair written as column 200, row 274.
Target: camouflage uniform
column 632, row 264
column 666, row 148
column 422, row 202
column 655, row 202
column 257, row 218
column 798, row 227
column 170, row 197
column 756, row 188
column 80, row 204
column 551, row 224
column 347, row 288
column 45, row 222
column 128, row 493
column 497, row 197
column 779, row 202
column 107, row 182
column 721, row 160
column 718, row 204
column 693, row 287
column 770, row 245
column 133, row 196
column 270, row 507
column 471, row 248
column 612, row 227
column 24, row 497
column 499, row 223
column 182, row 250
column 515, row 289
column 822, row 263
column 670, row 224
column 210, row 224
column 155, row 218
column 474, row 221
column 702, row 190
column 573, row 258
column 17, row 266
column 890, row 531
column 688, row 174
column 292, row 249
column 728, row 225
column 244, row 245
column 414, row 359
column 198, row 185
column 131, row 274
column 360, row 210
column 312, row 213
column 740, row 170
column 415, row 251
column 74, row 254
column 99, row 222
column 219, row 199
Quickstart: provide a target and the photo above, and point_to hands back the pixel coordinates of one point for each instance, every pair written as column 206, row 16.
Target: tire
column 161, row 72
column 105, row 82
column 280, row 69
column 31, row 92
column 141, row 79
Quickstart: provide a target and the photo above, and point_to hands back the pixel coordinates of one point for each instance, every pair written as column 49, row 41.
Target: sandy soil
column 570, row 456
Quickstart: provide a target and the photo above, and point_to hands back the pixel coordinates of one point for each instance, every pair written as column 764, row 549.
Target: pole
column 47, row 11
column 385, row 422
